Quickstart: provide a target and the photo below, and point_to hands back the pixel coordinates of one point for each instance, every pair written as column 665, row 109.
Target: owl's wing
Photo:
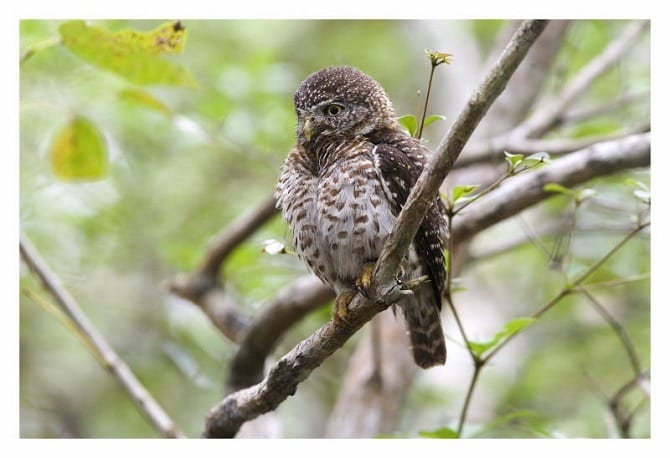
column 399, row 174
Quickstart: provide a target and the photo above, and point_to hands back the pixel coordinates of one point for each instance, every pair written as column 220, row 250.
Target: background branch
column 110, row 360
column 515, row 195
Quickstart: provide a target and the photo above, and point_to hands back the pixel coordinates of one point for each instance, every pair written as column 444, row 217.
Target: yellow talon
column 341, row 306
column 365, row 279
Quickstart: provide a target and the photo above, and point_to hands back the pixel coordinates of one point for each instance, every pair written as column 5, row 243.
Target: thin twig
column 618, row 329
column 569, row 289
column 541, row 122
column 110, row 360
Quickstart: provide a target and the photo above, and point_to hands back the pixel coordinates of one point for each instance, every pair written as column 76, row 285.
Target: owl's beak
column 307, row 129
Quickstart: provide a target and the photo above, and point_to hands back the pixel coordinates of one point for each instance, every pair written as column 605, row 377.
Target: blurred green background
column 179, row 174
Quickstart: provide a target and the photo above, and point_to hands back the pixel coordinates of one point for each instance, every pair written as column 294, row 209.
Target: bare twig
column 618, row 329
column 542, row 121
column 110, row 360
column 225, row 419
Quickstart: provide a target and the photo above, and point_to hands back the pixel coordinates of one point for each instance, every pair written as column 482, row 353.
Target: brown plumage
column 342, row 187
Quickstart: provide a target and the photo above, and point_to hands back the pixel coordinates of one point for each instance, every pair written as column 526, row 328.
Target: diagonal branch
column 226, row 418
column 110, row 360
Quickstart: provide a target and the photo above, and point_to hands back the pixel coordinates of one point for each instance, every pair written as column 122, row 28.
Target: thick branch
column 225, row 419
column 515, row 195
column 111, row 361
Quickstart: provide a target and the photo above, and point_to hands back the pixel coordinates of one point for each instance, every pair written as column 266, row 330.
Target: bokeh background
column 180, row 173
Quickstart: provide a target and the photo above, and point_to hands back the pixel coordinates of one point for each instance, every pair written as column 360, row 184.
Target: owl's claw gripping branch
column 341, row 307
column 364, row 280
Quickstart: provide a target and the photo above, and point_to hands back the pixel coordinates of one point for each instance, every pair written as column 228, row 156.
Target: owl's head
column 340, row 101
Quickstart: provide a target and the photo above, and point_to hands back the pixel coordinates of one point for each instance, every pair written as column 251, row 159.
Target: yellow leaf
column 79, row 152
column 129, row 53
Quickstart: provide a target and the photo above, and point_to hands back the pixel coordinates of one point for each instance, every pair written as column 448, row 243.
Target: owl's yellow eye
column 333, row 109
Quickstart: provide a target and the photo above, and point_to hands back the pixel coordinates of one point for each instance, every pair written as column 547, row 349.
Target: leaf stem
column 425, row 105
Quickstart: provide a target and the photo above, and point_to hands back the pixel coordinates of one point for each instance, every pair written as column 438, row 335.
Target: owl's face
column 340, row 102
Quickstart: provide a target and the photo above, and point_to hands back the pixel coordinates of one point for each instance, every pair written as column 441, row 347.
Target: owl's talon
column 364, row 280
column 341, row 307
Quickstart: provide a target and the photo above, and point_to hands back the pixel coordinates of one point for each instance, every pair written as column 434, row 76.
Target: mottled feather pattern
column 342, row 186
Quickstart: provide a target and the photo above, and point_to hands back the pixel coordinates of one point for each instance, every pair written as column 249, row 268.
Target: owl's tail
column 424, row 328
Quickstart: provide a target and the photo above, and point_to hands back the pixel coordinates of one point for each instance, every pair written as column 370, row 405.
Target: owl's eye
column 333, row 109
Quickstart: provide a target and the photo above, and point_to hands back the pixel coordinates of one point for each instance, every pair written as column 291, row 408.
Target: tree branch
column 225, row 419
column 542, row 121
column 261, row 335
column 202, row 286
column 526, row 190
column 110, row 360
column 234, row 234
column 428, row 184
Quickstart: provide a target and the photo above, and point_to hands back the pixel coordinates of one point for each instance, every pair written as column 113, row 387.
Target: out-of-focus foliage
column 182, row 161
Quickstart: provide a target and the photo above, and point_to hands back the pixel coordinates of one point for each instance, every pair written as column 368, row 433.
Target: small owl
column 342, row 187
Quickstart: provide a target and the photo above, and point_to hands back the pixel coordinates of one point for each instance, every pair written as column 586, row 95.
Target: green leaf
column 534, row 160
column 129, row 53
column 432, row 118
column 511, row 327
column 144, row 99
column 458, row 192
column 513, row 159
column 555, row 187
column 527, row 418
column 439, row 433
column 79, row 152
column 409, row 123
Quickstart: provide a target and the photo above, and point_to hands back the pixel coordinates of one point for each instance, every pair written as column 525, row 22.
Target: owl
column 342, row 187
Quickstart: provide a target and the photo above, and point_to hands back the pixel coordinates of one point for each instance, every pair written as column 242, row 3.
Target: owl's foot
column 341, row 306
column 365, row 278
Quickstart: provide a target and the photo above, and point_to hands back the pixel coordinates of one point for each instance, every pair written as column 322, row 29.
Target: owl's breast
column 352, row 217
